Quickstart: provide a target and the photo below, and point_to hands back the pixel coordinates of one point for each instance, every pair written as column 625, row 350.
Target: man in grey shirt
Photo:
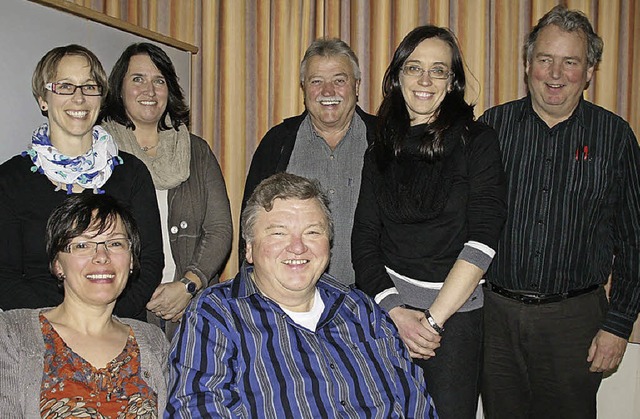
column 326, row 142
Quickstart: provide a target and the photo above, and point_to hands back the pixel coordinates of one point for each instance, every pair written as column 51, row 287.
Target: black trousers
column 453, row 375
column 535, row 357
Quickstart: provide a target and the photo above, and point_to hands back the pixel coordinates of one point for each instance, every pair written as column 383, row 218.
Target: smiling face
column 330, row 91
column 95, row 280
column 290, row 251
column 144, row 92
column 71, row 118
column 557, row 73
column 423, row 95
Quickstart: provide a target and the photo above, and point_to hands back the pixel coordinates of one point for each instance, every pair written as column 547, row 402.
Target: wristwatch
column 191, row 286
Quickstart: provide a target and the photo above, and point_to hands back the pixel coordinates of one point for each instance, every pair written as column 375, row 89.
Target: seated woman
column 69, row 154
column 77, row 357
column 429, row 215
column 146, row 113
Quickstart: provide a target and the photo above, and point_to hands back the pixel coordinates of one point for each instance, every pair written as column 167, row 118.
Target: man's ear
column 589, row 75
column 248, row 252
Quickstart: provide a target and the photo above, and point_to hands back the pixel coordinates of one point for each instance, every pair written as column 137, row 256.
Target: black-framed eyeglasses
column 87, row 248
column 68, row 89
column 438, row 73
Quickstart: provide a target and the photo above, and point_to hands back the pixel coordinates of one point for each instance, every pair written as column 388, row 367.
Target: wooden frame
column 90, row 14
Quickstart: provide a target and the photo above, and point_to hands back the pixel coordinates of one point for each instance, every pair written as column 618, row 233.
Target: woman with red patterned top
column 77, row 359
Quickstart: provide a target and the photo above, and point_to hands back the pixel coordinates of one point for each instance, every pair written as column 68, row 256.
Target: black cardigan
column 274, row 151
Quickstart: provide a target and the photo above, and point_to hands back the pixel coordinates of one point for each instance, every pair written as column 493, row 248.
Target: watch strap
column 439, row 329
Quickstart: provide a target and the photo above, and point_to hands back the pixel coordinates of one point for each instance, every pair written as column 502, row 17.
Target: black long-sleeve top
column 26, row 201
column 426, row 250
column 574, row 206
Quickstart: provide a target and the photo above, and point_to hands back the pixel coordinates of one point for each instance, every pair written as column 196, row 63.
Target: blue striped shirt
column 237, row 354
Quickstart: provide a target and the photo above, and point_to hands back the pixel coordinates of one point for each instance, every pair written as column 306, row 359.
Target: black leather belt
column 537, row 299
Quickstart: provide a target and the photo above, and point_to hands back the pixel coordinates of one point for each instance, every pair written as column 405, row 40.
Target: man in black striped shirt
column 573, row 173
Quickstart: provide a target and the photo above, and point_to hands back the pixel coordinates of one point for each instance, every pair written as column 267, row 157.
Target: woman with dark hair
column 69, row 154
column 146, row 113
column 430, row 211
column 78, row 359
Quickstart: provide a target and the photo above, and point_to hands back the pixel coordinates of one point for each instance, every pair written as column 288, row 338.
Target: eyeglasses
column 436, row 73
column 68, row 89
column 113, row 246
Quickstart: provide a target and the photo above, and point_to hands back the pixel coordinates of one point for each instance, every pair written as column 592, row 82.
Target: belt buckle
column 530, row 299
column 543, row 299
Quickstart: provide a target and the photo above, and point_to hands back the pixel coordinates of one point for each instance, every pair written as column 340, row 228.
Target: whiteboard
column 27, row 31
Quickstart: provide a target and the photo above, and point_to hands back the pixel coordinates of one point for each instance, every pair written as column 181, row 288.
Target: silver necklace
column 148, row 147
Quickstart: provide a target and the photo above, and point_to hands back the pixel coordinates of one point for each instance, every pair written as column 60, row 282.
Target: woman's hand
column 169, row 301
column 415, row 332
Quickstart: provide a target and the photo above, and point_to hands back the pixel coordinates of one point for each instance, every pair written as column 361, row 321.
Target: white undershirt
column 308, row 319
column 169, row 265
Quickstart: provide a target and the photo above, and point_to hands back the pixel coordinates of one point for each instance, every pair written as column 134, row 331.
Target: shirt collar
column 331, row 290
column 578, row 115
column 313, row 134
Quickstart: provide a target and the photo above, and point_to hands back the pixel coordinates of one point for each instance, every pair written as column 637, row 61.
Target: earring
column 44, row 108
column 61, row 277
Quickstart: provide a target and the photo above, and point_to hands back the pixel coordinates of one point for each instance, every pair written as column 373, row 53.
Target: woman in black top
column 430, row 211
column 70, row 154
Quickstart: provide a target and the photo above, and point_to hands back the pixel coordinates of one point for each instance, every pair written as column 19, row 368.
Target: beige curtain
column 245, row 77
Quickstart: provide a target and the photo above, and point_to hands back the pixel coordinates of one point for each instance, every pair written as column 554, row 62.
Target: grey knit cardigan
column 22, row 358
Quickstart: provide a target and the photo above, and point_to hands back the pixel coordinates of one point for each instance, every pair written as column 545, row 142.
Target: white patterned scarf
column 90, row 170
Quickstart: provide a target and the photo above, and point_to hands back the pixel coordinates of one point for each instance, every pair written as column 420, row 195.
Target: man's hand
column 415, row 332
column 606, row 351
column 169, row 301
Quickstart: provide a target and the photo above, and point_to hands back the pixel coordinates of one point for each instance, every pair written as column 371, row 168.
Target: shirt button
column 540, row 222
column 146, row 374
column 332, row 191
column 331, row 157
column 174, row 230
column 332, row 366
column 342, row 402
column 183, row 224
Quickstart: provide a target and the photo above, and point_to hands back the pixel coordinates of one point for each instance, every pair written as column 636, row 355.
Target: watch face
column 191, row 287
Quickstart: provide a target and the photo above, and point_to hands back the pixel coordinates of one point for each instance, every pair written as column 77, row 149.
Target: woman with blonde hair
column 69, row 154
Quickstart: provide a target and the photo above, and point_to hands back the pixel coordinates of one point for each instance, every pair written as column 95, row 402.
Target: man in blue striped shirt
column 285, row 340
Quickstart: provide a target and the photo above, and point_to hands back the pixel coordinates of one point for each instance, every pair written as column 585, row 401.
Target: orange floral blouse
column 73, row 388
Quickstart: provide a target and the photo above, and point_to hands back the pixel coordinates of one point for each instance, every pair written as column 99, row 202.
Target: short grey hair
column 283, row 186
column 568, row 21
column 329, row 47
